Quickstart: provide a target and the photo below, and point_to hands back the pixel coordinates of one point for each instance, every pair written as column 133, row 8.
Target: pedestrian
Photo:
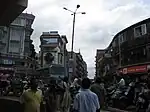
column 99, row 90
column 51, row 97
column 4, row 83
column 32, row 98
column 66, row 99
column 86, row 100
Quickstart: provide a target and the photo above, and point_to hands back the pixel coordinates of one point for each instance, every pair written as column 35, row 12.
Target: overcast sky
column 95, row 30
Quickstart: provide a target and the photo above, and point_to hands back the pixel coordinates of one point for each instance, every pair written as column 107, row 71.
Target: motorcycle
column 123, row 96
column 142, row 100
column 110, row 92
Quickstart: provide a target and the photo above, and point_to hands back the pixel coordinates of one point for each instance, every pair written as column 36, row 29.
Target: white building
column 15, row 39
column 52, row 42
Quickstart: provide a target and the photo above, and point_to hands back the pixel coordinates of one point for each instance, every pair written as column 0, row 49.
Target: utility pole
column 73, row 29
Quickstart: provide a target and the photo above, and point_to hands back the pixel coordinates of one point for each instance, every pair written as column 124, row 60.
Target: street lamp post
column 73, row 29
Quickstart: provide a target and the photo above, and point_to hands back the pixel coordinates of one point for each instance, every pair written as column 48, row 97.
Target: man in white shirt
column 122, row 82
column 86, row 100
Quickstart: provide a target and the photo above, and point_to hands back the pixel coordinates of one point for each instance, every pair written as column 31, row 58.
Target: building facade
column 16, row 39
column 130, row 49
column 52, row 42
column 15, row 43
column 99, row 55
column 77, row 66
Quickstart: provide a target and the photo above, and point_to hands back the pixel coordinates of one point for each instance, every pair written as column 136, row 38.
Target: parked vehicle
column 120, row 97
column 142, row 100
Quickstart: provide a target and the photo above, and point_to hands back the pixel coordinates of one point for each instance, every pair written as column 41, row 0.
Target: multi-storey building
column 99, row 55
column 16, row 39
column 85, row 72
column 16, row 44
column 77, row 66
column 52, row 42
column 129, row 49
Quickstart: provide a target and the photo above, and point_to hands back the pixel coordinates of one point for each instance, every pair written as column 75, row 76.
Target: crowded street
column 74, row 56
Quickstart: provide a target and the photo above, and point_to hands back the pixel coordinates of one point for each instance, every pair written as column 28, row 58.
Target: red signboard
column 134, row 69
column 137, row 69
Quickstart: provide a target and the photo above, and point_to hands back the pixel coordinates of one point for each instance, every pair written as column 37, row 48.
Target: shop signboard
column 135, row 69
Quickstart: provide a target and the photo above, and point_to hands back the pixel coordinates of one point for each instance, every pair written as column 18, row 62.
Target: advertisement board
column 134, row 69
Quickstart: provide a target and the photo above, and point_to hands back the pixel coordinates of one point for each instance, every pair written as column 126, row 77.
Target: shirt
column 86, row 101
column 122, row 82
column 32, row 100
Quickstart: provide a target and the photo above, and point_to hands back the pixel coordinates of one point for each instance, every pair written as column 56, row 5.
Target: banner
column 137, row 69
column 134, row 69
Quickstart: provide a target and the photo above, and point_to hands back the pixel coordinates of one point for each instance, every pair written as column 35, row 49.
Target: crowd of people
column 81, row 95
column 90, row 97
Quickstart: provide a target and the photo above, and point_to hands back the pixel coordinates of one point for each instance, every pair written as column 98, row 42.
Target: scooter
column 123, row 96
column 142, row 100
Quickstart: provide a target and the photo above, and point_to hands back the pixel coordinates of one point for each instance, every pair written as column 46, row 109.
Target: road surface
column 11, row 99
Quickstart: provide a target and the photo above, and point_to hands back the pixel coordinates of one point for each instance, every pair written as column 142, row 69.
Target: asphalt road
column 16, row 99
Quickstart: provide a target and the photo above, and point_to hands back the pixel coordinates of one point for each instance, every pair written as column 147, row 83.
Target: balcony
column 10, row 10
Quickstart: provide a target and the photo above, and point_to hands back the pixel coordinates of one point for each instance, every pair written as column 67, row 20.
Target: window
column 14, row 44
column 122, row 38
column 16, row 34
column 140, row 30
column 28, row 33
column 14, row 47
column 19, row 21
column 114, row 43
column 70, row 70
column 50, row 41
column 28, row 22
column 144, row 51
